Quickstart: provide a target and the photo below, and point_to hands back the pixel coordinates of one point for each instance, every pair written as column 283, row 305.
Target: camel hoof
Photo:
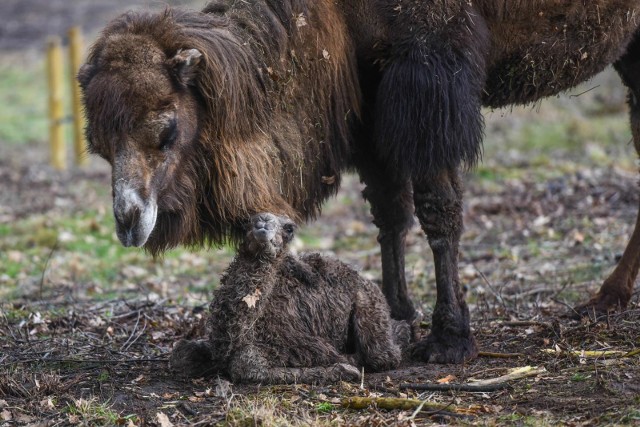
column 599, row 306
column 455, row 349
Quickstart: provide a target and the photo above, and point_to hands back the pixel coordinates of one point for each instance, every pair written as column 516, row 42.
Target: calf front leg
column 438, row 203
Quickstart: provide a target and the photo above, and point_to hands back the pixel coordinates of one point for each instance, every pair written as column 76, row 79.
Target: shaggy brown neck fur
column 277, row 95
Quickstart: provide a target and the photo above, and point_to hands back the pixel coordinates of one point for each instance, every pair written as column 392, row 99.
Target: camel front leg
column 438, row 203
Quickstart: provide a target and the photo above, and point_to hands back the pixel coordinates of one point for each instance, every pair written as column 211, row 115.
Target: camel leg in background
column 617, row 289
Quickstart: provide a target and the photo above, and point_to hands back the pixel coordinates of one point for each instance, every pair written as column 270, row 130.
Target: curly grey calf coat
column 277, row 318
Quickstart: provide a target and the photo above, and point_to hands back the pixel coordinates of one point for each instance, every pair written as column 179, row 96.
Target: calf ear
column 184, row 64
column 289, row 228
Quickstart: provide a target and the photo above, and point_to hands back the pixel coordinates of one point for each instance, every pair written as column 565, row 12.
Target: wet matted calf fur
column 278, row 318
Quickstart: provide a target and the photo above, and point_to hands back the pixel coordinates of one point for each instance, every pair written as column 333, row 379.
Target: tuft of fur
column 280, row 318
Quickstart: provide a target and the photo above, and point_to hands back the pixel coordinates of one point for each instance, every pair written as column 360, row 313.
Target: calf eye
column 168, row 135
column 289, row 229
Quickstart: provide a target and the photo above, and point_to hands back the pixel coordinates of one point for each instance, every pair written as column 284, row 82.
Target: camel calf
column 278, row 318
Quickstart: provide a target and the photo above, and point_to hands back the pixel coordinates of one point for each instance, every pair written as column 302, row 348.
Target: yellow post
column 56, row 112
column 75, row 58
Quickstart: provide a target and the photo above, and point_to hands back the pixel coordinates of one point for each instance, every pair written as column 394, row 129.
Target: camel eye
column 168, row 135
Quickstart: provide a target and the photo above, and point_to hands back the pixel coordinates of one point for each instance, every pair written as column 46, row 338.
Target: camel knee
column 438, row 205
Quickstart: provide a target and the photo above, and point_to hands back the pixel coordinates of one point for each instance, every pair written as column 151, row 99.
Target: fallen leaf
column 252, row 299
column 157, row 335
column 23, row 418
column 47, row 403
column 163, row 420
column 15, row 256
column 446, row 380
column 301, row 21
column 6, row 415
column 133, row 272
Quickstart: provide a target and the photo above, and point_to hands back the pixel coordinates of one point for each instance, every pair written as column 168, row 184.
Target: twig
column 632, row 353
column 499, row 355
column 391, row 403
column 46, row 264
column 125, row 346
column 88, row 361
column 488, row 385
column 454, row 387
column 588, row 353
column 517, row 323
column 495, row 293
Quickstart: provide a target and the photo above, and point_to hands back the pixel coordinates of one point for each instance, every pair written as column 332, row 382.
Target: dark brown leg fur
column 439, row 208
column 617, row 289
column 392, row 210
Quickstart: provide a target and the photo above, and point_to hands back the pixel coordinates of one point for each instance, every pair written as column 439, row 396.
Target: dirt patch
column 116, row 352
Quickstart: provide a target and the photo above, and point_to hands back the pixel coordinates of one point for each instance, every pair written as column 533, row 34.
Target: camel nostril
column 262, row 234
column 129, row 218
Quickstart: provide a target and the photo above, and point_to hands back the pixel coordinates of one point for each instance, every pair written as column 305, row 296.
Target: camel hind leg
column 392, row 210
column 617, row 289
column 251, row 365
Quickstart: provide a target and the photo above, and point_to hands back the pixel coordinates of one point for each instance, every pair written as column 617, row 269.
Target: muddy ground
column 540, row 237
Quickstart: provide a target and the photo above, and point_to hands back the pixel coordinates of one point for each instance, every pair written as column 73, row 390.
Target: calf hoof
column 344, row 372
column 453, row 349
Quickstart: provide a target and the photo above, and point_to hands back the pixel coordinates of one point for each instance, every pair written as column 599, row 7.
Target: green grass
column 580, row 377
column 82, row 249
column 95, row 413
column 23, row 102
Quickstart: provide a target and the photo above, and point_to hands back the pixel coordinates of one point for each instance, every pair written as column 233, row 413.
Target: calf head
column 142, row 118
column 268, row 235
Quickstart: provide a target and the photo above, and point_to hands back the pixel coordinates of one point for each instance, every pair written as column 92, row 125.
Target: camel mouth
column 135, row 217
column 137, row 233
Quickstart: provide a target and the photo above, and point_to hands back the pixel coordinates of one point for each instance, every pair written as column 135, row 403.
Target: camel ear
column 85, row 74
column 184, row 64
